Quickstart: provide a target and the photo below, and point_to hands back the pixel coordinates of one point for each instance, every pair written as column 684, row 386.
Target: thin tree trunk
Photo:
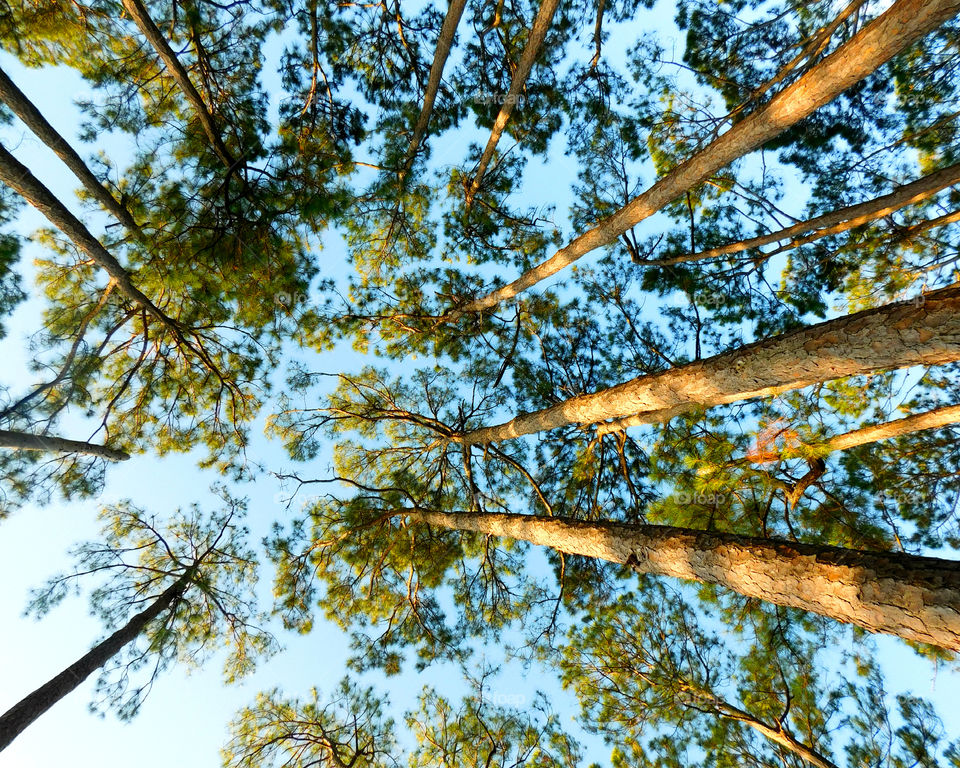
column 925, row 332
column 834, row 222
column 538, row 32
column 16, row 719
column 19, row 178
column 916, row 598
column 21, row 441
column 938, row 417
column 141, row 17
column 778, row 735
column 23, row 108
column 902, row 24
column 444, row 42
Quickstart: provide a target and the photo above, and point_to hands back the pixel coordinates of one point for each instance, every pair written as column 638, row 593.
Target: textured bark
column 538, row 32
column 23, row 108
column 21, row 441
column 840, row 220
column 902, row 24
column 141, row 17
column 916, row 598
column 924, row 332
column 447, row 33
column 939, row 417
column 16, row 719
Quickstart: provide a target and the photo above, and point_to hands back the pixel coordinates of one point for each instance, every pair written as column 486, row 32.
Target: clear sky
column 183, row 722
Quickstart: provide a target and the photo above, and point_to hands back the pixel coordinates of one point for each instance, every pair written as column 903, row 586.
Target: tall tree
column 195, row 575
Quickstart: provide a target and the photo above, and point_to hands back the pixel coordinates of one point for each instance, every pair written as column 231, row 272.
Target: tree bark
column 939, row 417
column 21, row 441
column 23, row 108
column 444, row 42
column 921, row 332
column 16, row 719
column 538, row 32
column 902, row 24
column 141, row 17
column 837, row 221
column 916, row 598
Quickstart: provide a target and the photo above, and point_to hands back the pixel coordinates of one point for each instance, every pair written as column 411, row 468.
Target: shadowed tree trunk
column 840, row 220
column 16, row 719
column 19, row 178
column 447, row 33
column 902, row 24
column 925, row 332
column 538, row 32
column 21, row 441
column 23, row 108
column 141, row 17
column 916, row 598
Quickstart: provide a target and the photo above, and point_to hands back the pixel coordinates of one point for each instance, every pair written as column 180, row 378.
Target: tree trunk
column 837, row 221
column 939, row 417
column 447, row 33
column 777, row 735
column 922, row 332
column 538, row 32
column 23, row 108
column 21, row 441
column 19, row 178
column 902, row 24
column 141, row 17
column 916, row 598
column 16, row 719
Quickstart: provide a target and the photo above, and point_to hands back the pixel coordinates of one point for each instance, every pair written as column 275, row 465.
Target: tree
column 193, row 573
column 865, row 342
column 351, row 729
column 902, row 24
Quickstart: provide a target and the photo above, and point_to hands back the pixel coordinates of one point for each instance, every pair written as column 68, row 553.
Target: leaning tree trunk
column 444, row 42
column 21, row 441
column 141, row 17
column 538, row 32
column 16, row 719
column 902, row 24
column 922, row 332
column 837, row 221
column 916, row 598
column 778, row 735
column 23, row 108
column 938, row 417
column 19, row 178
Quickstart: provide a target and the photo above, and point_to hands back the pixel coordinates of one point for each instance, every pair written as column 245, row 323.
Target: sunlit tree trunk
column 840, row 220
column 916, row 598
column 903, row 23
column 23, row 108
column 939, row 417
column 538, row 32
column 141, row 17
column 922, row 332
column 778, row 735
column 444, row 42
column 16, row 719
column 22, row 441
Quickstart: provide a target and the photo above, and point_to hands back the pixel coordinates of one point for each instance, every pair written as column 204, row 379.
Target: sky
column 183, row 721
